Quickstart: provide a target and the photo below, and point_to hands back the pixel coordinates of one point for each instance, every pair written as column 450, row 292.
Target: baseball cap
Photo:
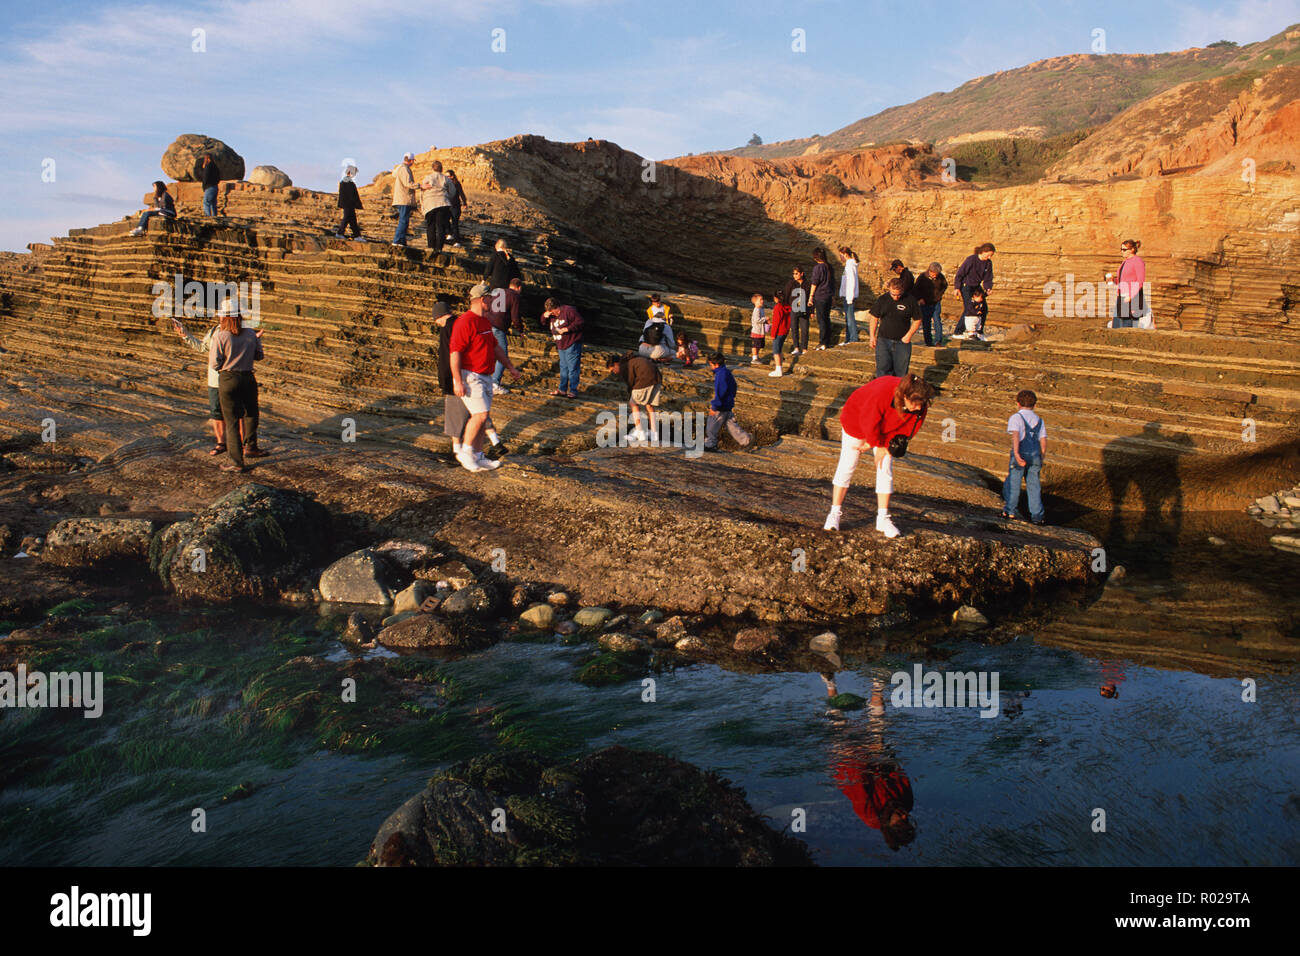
column 440, row 309
column 406, row 156
column 479, row 291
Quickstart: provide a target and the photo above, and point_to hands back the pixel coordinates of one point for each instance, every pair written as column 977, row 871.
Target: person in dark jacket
column 822, row 289
column 163, row 205
column 644, row 383
column 459, row 201
column 928, row 292
column 565, row 324
column 211, row 177
column 975, row 272
column 722, row 408
column 232, row 352
column 501, row 268
column 504, row 315
column 795, row 293
column 349, row 202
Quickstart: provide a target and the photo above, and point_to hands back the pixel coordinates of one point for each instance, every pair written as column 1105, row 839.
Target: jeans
column 799, row 330
column 570, row 365
column 893, row 356
column 501, row 341
column 850, row 322
column 938, row 323
column 713, row 429
column 435, row 227
column 210, row 201
column 823, row 310
column 1011, row 487
column 929, row 316
column 777, row 342
column 149, row 214
column 403, row 220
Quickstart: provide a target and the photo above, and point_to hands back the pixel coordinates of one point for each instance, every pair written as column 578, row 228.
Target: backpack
column 1029, row 441
column 654, row 335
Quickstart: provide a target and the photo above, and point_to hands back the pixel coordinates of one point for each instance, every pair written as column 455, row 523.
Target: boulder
column 361, row 577
column 968, row 615
column 756, row 639
column 825, row 643
column 426, row 630
column 253, row 542
column 592, row 617
column 87, row 542
column 409, row 556
column 691, row 646
column 616, row 807
column 621, row 643
column 269, row 176
column 474, row 601
column 183, row 160
column 671, row 631
column 539, row 616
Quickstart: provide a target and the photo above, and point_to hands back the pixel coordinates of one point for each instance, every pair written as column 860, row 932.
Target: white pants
column 849, row 455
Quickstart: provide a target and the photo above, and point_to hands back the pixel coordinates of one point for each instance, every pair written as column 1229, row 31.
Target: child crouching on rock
column 881, row 415
column 721, row 408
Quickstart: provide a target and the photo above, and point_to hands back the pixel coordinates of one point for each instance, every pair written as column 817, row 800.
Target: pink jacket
column 1131, row 277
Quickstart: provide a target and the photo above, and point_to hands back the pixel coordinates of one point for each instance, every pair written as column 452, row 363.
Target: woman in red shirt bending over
column 881, row 415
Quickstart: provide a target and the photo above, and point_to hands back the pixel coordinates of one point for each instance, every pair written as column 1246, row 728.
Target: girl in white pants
column 851, row 450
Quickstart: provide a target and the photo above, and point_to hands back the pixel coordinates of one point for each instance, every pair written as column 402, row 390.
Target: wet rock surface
column 616, row 807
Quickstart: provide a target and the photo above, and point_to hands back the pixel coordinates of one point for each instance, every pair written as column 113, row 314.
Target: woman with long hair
column 234, row 349
column 881, row 415
column 1130, row 282
column 849, row 291
column 823, row 293
column 975, row 272
column 163, row 205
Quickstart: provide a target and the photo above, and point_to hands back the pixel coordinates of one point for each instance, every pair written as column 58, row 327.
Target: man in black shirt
column 895, row 317
column 211, row 179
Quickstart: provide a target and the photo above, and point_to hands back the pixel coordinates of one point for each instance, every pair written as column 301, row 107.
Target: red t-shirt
column 472, row 337
column 870, row 413
column 871, row 789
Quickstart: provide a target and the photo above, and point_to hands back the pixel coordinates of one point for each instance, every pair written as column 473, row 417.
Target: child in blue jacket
column 721, row 408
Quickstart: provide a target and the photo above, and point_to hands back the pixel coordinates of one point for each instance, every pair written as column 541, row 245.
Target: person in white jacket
column 849, row 291
column 404, row 196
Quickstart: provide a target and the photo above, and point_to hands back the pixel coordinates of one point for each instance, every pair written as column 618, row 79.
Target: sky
column 92, row 91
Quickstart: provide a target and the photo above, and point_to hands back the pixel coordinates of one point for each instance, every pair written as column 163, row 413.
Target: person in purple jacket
column 721, row 409
column 565, row 324
column 975, row 272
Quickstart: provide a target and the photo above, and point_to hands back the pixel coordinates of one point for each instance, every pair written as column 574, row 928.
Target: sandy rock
column 86, row 542
column 756, row 639
column 825, row 643
column 592, row 617
column 691, row 646
column 474, row 600
column 539, row 616
column 413, row 597
column 558, row 598
column 269, row 176
column 671, row 631
column 968, row 615
column 183, row 160
column 358, row 578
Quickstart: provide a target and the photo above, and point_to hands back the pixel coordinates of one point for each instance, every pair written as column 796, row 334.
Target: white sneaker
column 885, row 525
column 775, row 373
column 499, row 389
column 753, row 360
column 467, row 460
column 796, row 352
column 137, row 231
column 821, row 348
column 832, row 522
column 484, row 462
column 638, row 436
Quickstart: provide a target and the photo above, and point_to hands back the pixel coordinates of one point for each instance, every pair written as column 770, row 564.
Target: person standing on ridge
column 349, row 202
column 975, row 272
column 233, row 351
column 796, row 295
column 823, row 292
column 849, row 290
column 404, row 190
column 895, row 318
column 457, row 201
column 501, row 267
column 211, row 177
column 929, row 290
column 565, row 324
column 435, row 206
column 1130, row 282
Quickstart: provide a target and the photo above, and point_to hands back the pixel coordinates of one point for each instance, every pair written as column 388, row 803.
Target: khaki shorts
column 646, row 396
column 478, row 391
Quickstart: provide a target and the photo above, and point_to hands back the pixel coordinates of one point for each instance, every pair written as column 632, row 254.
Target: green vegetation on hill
column 1012, row 160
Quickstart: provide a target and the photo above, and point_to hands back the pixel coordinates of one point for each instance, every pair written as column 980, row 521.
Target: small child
column 973, row 325
column 721, row 408
column 687, row 351
column 1028, row 448
column 757, row 328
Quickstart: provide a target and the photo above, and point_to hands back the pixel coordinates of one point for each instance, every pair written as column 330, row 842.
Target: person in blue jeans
column 1028, row 448
column 163, row 205
column 211, row 177
column 565, row 324
column 895, row 319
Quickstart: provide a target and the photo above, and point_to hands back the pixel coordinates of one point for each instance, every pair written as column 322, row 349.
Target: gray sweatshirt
column 235, row 353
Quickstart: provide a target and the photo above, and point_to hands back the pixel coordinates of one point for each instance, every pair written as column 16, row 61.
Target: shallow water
column 1184, row 770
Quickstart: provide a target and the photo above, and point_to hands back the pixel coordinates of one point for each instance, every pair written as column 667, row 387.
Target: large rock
column 269, row 176
column 252, row 542
column 474, row 601
column 616, row 807
column 428, row 631
column 756, row 639
column 183, row 160
column 86, row 542
column 362, row 577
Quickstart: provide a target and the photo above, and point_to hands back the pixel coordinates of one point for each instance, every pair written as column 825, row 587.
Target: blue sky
column 103, row 87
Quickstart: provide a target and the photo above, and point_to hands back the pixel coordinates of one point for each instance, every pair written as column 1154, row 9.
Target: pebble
column 557, row 598
column 1215, row 540
column 592, row 616
column 565, row 628
column 540, row 616
column 691, row 645
column 672, row 631
column 968, row 615
column 652, row 616
column 756, row 639
column 1286, row 542
column 623, row 643
column 616, row 622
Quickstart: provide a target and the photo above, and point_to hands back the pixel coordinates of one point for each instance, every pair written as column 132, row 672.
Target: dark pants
column 239, row 401
column 435, row 226
column 968, row 308
column 823, row 309
column 350, row 221
column 799, row 330
column 454, row 231
column 928, row 325
column 893, row 356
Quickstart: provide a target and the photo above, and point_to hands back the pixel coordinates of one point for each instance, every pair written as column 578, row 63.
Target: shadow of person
column 1145, row 468
column 866, row 771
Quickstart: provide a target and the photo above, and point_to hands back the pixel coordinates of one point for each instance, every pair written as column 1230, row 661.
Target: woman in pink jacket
column 1131, row 303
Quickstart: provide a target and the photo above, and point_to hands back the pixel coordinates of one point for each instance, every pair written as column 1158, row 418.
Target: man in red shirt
column 876, row 413
column 474, row 352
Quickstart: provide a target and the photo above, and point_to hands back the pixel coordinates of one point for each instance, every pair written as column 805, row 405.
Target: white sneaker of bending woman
column 885, row 525
column 832, row 521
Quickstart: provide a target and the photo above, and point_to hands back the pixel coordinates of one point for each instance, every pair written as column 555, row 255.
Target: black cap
column 440, row 309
